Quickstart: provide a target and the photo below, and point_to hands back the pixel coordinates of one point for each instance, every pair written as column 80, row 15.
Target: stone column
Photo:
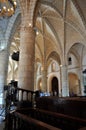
column 44, row 79
column 27, row 58
column 65, row 89
column 3, row 74
column 83, row 81
column 81, row 85
column 35, row 76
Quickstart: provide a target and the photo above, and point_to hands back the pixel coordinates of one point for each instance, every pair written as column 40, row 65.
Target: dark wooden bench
column 74, row 106
column 18, row 121
column 55, row 112
column 62, row 121
column 84, row 128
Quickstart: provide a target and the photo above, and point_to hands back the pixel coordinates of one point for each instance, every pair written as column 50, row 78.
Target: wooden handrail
column 25, row 90
column 17, row 118
column 55, row 114
column 50, row 117
column 33, row 121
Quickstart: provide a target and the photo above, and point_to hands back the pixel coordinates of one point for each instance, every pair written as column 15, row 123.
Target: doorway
column 73, row 84
column 55, row 90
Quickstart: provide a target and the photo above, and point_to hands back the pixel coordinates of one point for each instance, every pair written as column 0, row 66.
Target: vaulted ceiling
column 60, row 32
column 60, row 24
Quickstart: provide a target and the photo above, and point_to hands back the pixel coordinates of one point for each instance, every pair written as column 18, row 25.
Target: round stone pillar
column 27, row 58
column 44, row 80
column 65, row 89
column 35, row 76
column 81, row 85
column 3, row 74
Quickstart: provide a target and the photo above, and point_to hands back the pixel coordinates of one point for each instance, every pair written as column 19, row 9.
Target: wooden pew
column 84, row 128
column 74, row 106
column 62, row 121
column 18, row 121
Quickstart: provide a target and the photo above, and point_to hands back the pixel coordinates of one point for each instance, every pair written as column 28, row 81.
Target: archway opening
column 55, row 90
column 74, row 85
column 40, row 85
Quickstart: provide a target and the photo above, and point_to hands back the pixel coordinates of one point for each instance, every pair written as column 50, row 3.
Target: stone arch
column 54, row 55
column 74, row 53
column 12, row 25
column 73, row 45
column 77, row 50
column 53, row 73
column 50, row 83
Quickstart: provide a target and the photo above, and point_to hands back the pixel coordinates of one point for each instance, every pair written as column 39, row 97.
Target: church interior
column 43, row 64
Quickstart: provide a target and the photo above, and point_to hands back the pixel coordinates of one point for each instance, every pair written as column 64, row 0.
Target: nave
column 43, row 48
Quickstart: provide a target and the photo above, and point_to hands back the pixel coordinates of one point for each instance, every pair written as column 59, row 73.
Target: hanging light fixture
column 7, row 7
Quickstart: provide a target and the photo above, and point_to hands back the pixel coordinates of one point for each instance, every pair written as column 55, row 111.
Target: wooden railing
column 30, row 118
column 18, row 121
column 19, row 98
column 19, row 95
column 25, row 94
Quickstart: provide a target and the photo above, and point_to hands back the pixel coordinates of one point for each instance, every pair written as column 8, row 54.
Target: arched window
column 69, row 61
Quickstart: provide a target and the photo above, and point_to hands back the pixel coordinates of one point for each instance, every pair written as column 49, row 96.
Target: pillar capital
column 27, row 28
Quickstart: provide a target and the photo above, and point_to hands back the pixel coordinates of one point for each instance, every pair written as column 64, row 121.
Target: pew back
column 55, row 119
column 74, row 106
column 18, row 121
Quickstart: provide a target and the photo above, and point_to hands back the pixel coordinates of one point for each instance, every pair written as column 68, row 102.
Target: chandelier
column 7, row 7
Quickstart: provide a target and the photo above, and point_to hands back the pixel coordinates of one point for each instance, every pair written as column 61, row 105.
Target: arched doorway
column 74, row 85
column 40, row 84
column 55, row 86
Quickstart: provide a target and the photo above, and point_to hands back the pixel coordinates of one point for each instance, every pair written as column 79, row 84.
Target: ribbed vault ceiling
column 61, row 24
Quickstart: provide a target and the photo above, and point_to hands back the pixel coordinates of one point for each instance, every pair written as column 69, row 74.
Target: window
column 69, row 61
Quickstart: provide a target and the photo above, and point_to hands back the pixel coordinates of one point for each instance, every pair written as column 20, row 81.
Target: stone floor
column 2, row 118
column 2, row 123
